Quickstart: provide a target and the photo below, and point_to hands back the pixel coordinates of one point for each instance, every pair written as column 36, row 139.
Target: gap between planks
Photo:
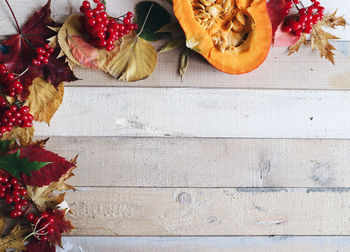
column 209, row 212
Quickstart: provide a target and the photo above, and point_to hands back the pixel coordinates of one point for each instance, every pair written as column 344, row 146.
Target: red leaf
column 83, row 52
column 49, row 173
column 284, row 39
column 22, row 51
column 61, row 225
column 275, row 8
column 22, row 46
column 38, row 246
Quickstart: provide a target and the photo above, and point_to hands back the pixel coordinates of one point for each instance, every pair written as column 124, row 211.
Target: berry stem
column 14, row 17
column 144, row 23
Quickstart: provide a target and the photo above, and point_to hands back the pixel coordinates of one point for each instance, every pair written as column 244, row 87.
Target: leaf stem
column 14, row 17
column 144, row 23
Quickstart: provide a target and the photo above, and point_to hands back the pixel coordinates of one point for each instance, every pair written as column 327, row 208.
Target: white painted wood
column 199, row 162
column 206, row 212
column 201, row 113
column 205, row 244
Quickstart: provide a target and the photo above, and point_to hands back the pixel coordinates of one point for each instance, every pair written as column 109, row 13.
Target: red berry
column 96, row 1
column 2, row 195
column 296, row 1
column 86, row 4
column 40, row 50
column 3, row 130
column 27, row 124
column 51, row 220
column 8, row 199
column 128, row 20
column 18, row 206
column 10, row 76
column 320, row 9
column 302, row 11
column 15, row 193
column 17, row 199
column 14, row 214
column 45, row 61
column 43, row 238
column 40, row 57
column 14, row 181
column 24, row 110
column 96, row 12
column 2, row 67
column 23, row 192
column 100, row 7
column 50, row 230
column 47, row 55
column 288, row 5
column 44, row 215
column 24, row 202
column 30, row 217
column 129, row 14
column 36, row 62
column 51, row 50
column 110, row 47
column 47, row 47
column 316, row 4
column 91, row 21
column 5, row 180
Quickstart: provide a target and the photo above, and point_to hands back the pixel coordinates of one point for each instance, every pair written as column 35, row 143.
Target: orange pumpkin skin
column 233, row 35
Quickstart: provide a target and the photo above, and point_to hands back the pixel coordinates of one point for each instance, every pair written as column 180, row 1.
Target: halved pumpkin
column 233, row 35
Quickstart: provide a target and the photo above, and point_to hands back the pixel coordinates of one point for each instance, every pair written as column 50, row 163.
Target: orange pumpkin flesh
column 233, row 35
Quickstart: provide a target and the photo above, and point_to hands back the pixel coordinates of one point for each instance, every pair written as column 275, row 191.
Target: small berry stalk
column 103, row 30
column 303, row 21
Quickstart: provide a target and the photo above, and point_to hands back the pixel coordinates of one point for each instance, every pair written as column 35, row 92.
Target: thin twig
column 14, row 17
column 144, row 23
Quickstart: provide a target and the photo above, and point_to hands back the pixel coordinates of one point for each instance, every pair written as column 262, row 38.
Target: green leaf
column 173, row 44
column 5, row 145
column 157, row 18
column 14, row 165
column 170, row 28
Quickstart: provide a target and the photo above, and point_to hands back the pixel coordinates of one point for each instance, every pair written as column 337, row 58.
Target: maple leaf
column 39, row 246
column 22, row 50
column 319, row 41
column 15, row 165
column 24, row 135
column 46, row 196
column 44, row 99
column 332, row 21
column 294, row 48
column 61, row 226
column 52, row 172
column 14, row 239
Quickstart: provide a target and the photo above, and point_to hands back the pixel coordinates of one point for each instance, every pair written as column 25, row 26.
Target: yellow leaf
column 48, row 196
column 171, row 45
column 44, row 99
column 332, row 21
column 14, row 239
column 80, row 52
column 135, row 61
column 24, row 135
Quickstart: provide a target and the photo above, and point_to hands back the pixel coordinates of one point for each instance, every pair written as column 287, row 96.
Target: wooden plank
column 209, row 212
column 201, row 113
column 304, row 70
column 193, row 162
column 205, row 244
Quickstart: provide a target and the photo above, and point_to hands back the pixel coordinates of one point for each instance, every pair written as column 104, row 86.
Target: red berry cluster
column 14, row 195
column 11, row 116
column 304, row 20
column 104, row 31
column 43, row 225
column 42, row 55
column 9, row 83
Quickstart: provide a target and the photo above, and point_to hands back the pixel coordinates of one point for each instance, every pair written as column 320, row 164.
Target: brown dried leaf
column 48, row 196
column 332, row 21
column 184, row 61
column 294, row 48
column 44, row 99
column 319, row 41
column 13, row 240
column 24, row 135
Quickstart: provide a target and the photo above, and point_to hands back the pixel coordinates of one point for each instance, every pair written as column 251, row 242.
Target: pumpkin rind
column 233, row 35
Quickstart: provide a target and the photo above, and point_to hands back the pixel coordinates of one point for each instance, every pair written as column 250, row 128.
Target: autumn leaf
column 81, row 53
column 284, row 39
column 295, row 48
column 44, row 99
column 135, row 61
column 184, row 61
column 22, row 50
column 320, row 41
column 52, row 172
column 39, row 246
column 275, row 8
column 333, row 21
column 170, row 28
column 171, row 45
column 14, row 239
column 48, row 196
column 14, row 164
column 23, row 135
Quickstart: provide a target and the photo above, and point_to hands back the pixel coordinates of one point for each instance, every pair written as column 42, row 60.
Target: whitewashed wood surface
column 258, row 162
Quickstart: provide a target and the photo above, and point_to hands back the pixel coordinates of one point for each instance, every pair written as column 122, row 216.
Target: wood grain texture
column 207, row 212
column 206, row 244
column 194, row 162
column 304, row 70
column 201, row 113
